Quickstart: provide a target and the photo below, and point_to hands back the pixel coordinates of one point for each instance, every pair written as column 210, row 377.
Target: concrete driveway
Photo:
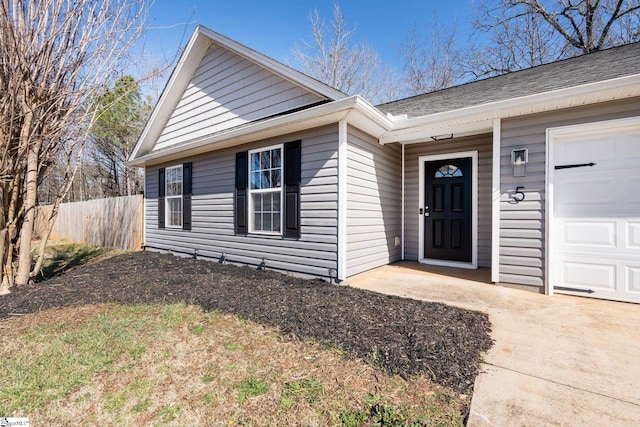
column 557, row 361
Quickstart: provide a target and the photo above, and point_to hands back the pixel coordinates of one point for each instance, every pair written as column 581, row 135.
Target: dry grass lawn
column 177, row 365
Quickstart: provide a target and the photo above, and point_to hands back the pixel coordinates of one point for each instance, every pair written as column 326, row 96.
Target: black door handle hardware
column 579, row 165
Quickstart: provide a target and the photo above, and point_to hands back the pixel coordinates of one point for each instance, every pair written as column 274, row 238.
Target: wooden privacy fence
column 114, row 223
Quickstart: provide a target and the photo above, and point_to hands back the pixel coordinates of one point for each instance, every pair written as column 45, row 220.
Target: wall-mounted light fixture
column 442, row 137
column 519, row 160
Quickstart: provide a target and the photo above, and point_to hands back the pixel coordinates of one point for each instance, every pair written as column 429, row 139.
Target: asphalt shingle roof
column 603, row 65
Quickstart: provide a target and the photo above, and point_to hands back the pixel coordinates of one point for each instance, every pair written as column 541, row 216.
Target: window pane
column 258, row 221
column 257, row 202
column 255, row 161
column 266, row 222
column 174, row 189
column 255, row 180
column 275, row 178
column 448, row 171
column 276, row 161
column 276, row 222
column 276, row 202
column 266, row 203
column 265, row 163
column 265, row 179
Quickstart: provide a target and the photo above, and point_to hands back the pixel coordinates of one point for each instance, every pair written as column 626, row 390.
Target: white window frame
column 167, row 198
column 251, row 191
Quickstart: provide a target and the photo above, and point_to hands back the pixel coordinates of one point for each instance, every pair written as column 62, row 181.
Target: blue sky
column 274, row 27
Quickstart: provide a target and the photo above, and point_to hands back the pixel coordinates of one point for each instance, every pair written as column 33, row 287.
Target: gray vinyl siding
column 228, row 90
column 522, row 225
column 213, row 215
column 483, row 144
column 373, row 202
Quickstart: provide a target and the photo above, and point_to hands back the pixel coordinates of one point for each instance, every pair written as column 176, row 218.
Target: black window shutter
column 161, row 198
column 242, row 177
column 292, row 161
column 186, row 195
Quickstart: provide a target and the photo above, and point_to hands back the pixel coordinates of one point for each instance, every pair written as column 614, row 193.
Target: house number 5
column 519, row 195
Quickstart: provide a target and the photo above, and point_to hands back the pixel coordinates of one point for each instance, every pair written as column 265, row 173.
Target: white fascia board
column 177, row 83
column 359, row 111
column 464, row 119
column 282, row 70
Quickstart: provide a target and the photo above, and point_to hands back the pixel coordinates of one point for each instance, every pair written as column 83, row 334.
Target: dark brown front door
column 448, row 210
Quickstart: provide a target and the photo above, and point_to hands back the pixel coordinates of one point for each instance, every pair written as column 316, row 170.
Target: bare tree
column 515, row 45
column 334, row 58
column 56, row 54
column 430, row 63
column 525, row 33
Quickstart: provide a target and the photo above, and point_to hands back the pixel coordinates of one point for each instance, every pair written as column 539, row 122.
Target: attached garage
column 593, row 211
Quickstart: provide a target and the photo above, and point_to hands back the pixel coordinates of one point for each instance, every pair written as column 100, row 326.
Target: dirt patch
column 399, row 335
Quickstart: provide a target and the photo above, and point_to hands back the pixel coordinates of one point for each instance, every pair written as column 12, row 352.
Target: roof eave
column 178, row 81
column 478, row 118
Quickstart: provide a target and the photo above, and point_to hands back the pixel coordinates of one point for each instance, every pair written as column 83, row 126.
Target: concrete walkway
column 557, row 361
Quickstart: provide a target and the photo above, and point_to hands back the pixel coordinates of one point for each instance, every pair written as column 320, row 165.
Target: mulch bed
column 399, row 335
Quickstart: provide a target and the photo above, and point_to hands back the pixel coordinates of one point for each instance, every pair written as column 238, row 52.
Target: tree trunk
column 11, row 225
column 26, row 232
column 5, row 284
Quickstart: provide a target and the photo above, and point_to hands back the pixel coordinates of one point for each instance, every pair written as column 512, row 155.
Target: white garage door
column 595, row 210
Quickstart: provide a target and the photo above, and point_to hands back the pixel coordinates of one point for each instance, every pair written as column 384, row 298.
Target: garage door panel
column 585, row 149
column 633, row 235
column 589, row 274
column 633, row 280
column 595, row 219
column 580, row 191
column 592, row 234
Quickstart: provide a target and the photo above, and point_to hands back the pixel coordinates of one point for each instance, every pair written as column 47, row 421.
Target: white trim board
column 495, row 202
column 474, row 215
column 402, row 208
column 342, row 199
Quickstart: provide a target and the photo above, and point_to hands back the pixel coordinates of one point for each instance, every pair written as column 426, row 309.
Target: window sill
column 264, row 234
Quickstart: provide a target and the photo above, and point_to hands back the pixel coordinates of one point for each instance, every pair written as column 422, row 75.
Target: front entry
column 448, row 210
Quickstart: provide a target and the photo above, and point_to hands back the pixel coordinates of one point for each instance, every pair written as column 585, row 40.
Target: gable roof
column 181, row 78
column 590, row 68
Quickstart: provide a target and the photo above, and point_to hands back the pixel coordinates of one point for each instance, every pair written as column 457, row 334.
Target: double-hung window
column 265, row 190
column 173, row 197
column 267, row 193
